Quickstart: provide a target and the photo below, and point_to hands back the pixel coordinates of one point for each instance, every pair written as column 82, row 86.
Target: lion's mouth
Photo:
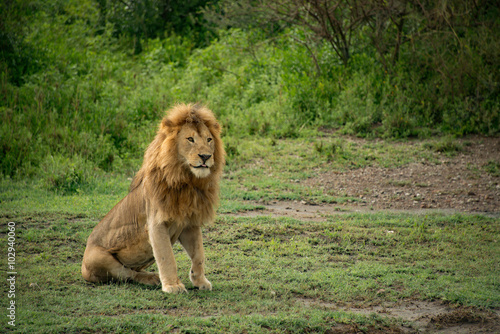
column 200, row 166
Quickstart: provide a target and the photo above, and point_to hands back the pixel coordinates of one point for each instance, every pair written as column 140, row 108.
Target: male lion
column 174, row 193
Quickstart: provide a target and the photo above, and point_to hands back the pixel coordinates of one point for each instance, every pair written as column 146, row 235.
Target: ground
column 457, row 183
column 454, row 183
column 428, row 317
column 366, row 250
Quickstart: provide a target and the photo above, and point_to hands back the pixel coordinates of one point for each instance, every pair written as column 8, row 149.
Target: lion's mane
column 183, row 197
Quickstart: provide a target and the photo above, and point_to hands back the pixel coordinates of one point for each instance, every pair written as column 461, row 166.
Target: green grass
column 269, row 273
column 492, row 168
column 446, row 145
column 263, row 269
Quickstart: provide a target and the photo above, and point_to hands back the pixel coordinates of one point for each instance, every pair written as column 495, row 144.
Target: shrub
column 96, row 105
column 64, row 175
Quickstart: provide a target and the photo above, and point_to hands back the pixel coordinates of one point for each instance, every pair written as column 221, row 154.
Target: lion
column 173, row 195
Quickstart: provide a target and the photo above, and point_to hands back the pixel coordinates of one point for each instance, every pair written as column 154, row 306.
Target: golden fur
column 172, row 196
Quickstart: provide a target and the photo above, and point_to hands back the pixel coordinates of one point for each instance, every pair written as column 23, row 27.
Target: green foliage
column 141, row 20
column 89, row 104
column 65, row 175
column 18, row 57
column 72, row 89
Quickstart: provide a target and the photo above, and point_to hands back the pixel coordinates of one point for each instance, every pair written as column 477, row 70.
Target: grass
column 264, row 271
column 492, row 168
column 447, row 145
column 270, row 274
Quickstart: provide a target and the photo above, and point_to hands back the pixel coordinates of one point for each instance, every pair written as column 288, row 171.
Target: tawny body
column 173, row 195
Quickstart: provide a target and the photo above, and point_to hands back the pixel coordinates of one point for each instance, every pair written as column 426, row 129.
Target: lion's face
column 195, row 146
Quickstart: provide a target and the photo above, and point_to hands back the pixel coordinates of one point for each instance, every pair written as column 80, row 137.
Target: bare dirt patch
column 464, row 182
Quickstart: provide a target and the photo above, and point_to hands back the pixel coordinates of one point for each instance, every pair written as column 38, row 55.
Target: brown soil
column 421, row 317
column 460, row 183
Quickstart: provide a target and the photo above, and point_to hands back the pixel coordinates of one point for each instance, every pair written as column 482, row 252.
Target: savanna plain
column 283, row 255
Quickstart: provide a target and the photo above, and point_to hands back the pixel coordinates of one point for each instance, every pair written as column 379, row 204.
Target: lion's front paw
column 202, row 283
column 174, row 288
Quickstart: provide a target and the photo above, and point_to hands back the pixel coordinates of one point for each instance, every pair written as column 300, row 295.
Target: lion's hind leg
column 145, row 277
column 100, row 266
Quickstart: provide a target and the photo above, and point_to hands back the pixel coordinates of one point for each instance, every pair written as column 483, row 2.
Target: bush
column 94, row 105
column 65, row 175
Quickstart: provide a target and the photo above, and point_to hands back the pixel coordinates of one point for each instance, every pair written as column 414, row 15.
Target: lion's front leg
column 192, row 242
column 164, row 256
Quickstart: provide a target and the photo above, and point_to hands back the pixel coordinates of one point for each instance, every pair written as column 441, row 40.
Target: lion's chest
column 189, row 207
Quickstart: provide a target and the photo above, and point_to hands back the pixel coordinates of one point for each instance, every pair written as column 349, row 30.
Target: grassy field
column 270, row 274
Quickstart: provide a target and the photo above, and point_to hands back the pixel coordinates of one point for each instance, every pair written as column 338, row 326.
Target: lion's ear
column 216, row 126
column 166, row 123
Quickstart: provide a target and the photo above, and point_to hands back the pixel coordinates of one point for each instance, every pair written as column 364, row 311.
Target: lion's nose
column 204, row 157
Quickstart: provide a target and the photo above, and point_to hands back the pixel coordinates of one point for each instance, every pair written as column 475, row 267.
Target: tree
column 17, row 56
column 386, row 21
column 335, row 21
column 143, row 19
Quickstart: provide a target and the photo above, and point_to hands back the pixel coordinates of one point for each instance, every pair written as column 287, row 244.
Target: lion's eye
column 209, row 140
column 191, row 139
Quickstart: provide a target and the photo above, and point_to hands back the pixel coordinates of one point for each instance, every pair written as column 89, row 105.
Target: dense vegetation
column 84, row 83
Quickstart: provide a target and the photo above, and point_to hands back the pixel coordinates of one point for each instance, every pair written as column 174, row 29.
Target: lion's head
column 196, row 134
column 187, row 149
column 195, row 147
